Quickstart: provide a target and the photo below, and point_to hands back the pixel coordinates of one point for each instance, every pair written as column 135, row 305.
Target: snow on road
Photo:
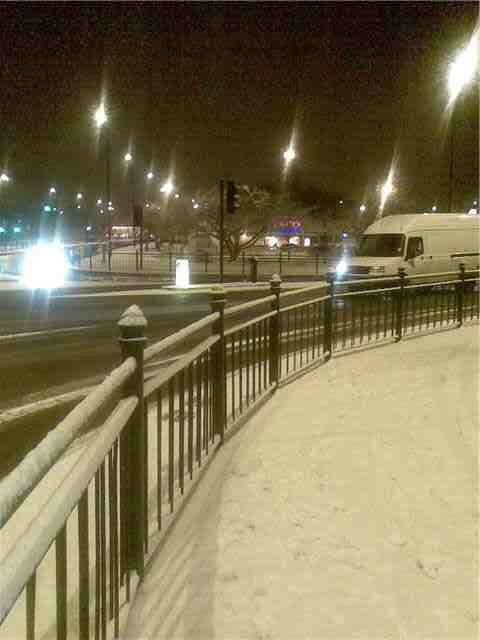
column 347, row 508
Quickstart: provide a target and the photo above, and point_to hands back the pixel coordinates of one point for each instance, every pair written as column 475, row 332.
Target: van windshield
column 381, row 245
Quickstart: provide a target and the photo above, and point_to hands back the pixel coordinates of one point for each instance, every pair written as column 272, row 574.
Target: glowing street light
column 128, row 157
column 386, row 192
column 102, row 122
column 289, row 155
column 52, row 191
column 79, row 196
column 167, row 187
column 363, row 208
column 434, row 208
column 4, row 178
column 461, row 72
column 99, row 201
column 100, row 116
column 150, row 175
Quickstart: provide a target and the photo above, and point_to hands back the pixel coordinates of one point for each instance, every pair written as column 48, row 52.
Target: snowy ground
column 347, row 508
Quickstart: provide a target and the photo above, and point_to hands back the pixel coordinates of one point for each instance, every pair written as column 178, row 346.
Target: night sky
column 213, row 90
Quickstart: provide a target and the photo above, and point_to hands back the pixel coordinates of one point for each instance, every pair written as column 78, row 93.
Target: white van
column 419, row 243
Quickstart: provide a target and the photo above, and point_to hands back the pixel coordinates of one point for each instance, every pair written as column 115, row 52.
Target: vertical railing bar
column 442, row 304
column 159, row 458
column 377, row 318
column 247, row 353
column 386, row 298
column 232, row 375
column 427, row 299
column 181, row 429
column 361, row 302
column 115, row 550
column 287, row 315
column 145, row 476
column 435, row 306
column 97, row 556
column 190, row 420
column 198, row 381
column 254, row 363
column 31, row 597
column 103, row 552
column 206, row 404
column 111, row 580
column 259, row 357
column 171, row 436
column 266, row 351
column 240, row 370
column 369, row 320
column 295, row 343
column 61, row 582
column 352, row 321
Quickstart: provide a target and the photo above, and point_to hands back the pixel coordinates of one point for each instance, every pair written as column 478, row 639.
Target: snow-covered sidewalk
column 346, row 508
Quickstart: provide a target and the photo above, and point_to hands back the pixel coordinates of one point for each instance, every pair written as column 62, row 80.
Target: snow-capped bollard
column 133, row 450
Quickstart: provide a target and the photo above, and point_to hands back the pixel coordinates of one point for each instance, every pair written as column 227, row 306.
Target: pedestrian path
column 346, row 508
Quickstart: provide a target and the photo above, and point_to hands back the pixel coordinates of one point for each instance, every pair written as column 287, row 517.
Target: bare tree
column 252, row 220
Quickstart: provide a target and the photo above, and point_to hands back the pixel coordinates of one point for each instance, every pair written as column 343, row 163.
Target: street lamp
column 52, row 191
column 461, row 72
column 386, row 191
column 150, row 176
column 167, row 187
column 289, row 155
column 102, row 123
column 79, row 196
column 363, row 208
column 4, row 178
column 128, row 157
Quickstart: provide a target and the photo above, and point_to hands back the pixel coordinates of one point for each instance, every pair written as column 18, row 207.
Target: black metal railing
column 98, row 528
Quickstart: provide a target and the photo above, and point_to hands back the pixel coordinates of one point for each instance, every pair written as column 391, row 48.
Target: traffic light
column 233, row 198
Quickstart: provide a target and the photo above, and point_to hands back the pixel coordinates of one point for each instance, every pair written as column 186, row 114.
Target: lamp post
column 102, row 124
column 461, row 72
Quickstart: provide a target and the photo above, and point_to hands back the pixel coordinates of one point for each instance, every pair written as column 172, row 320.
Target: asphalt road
column 72, row 339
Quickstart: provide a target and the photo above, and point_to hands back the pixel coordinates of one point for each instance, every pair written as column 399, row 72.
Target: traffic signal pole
column 222, row 226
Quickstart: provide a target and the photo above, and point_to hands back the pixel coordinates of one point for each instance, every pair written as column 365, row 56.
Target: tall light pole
column 461, row 72
column 102, row 123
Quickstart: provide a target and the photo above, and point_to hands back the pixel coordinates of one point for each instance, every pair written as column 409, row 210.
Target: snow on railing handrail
column 20, row 482
column 27, row 553
column 245, row 306
column 173, row 339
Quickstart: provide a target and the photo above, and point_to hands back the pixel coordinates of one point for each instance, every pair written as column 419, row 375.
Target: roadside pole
column 222, row 226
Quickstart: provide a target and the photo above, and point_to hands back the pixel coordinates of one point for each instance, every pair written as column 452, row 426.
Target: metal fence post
column 217, row 303
column 280, row 262
column 317, row 259
column 206, row 261
column 274, row 354
column 109, row 258
column 243, row 263
column 133, row 467
column 327, row 329
column 460, row 290
column 169, row 262
column 399, row 306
